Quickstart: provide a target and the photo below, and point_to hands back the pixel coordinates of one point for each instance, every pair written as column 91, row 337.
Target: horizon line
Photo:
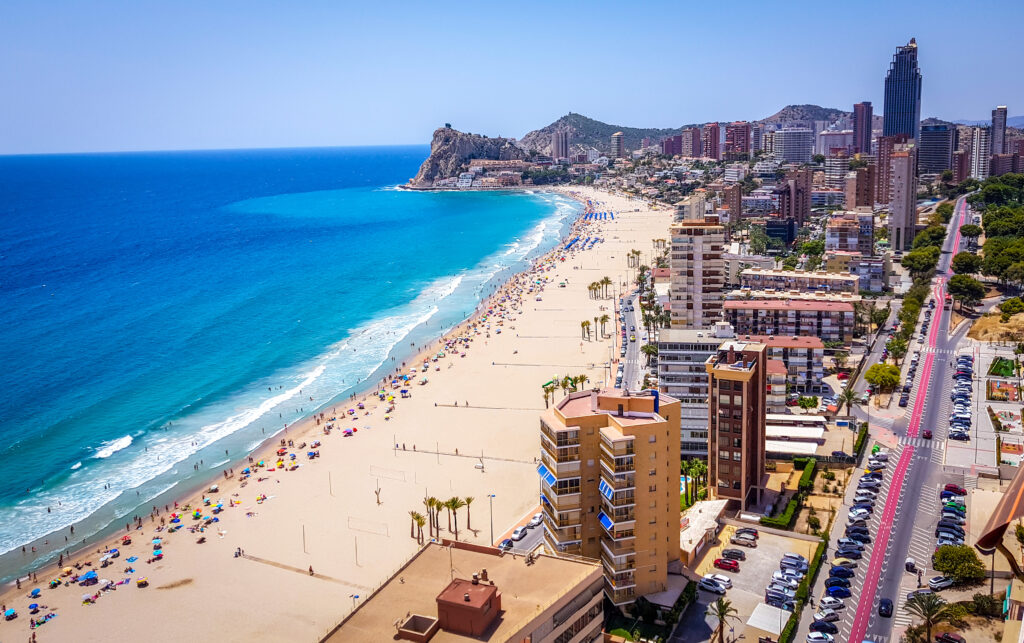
column 209, row 149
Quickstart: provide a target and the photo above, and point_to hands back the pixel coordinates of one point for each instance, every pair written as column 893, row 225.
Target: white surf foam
column 110, row 448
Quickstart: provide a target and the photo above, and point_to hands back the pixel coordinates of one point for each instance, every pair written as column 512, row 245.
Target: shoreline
column 195, row 485
column 309, row 428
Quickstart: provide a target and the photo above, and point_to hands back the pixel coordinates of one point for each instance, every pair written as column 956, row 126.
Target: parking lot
column 748, row 585
column 980, row 450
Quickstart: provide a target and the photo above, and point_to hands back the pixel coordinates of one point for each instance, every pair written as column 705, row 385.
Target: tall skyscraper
column 737, row 141
column 691, row 142
column 793, row 144
column 903, row 208
column 935, row 151
column 618, row 146
column 862, row 128
column 999, row 130
column 756, row 140
column 710, row 141
column 560, row 145
column 609, row 489
column 697, row 273
column 883, row 183
column 981, row 142
column 737, row 414
column 903, row 93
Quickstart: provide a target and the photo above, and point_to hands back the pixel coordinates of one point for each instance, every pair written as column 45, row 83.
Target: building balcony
column 566, row 547
column 613, row 567
column 617, row 499
column 566, row 468
column 618, row 551
column 619, row 596
column 626, row 521
column 620, row 482
column 560, row 519
column 617, row 465
column 616, row 448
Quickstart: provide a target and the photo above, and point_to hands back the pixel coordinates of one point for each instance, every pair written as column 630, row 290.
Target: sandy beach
column 471, row 430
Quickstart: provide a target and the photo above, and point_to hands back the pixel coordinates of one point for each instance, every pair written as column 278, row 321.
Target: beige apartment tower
column 698, row 273
column 610, row 485
column 737, row 383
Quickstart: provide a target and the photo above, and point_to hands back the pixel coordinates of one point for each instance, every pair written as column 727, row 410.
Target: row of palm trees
column 568, row 384
column 585, row 326
column 633, row 258
column 599, row 288
column 697, row 473
column 434, row 507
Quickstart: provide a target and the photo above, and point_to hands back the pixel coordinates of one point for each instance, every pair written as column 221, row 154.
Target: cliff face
column 451, row 151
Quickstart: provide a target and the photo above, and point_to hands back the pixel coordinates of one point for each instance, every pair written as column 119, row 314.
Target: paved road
column 633, row 362
column 904, row 524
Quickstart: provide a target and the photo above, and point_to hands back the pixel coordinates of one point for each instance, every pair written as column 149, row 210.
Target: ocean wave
column 110, row 448
column 76, row 465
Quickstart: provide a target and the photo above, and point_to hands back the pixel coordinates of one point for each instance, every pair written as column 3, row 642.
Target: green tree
column 880, row 315
column 840, row 358
column 818, row 159
column 453, row 505
column 970, row 231
column 649, row 351
column 933, row 235
column 897, row 347
column 930, row 609
column 945, row 211
column 959, row 562
column 858, row 163
column 808, row 402
column 722, row 610
column 1014, row 274
column 846, row 398
column 468, row 500
column 967, row 290
column 966, row 263
column 921, row 261
column 884, row 377
column 1012, row 306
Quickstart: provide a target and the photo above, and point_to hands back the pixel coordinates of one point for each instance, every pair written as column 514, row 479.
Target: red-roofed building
column 830, row 321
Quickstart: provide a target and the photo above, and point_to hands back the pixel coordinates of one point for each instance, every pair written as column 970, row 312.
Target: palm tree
column 597, row 320
column 604, row 320
column 549, row 392
column 447, row 504
column 581, row 379
column 583, row 329
column 649, row 350
column 431, row 504
column 455, row 504
column 847, row 397
column 722, row 610
column 468, row 500
column 930, row 608
column 606, row 281
column 412, row 524
column 700, row 473
column 567, row 383
column 420, row 521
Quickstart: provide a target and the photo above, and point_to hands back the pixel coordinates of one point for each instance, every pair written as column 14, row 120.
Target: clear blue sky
column 138, row 75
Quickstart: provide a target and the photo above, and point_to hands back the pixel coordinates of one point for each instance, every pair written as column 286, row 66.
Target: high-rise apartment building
column 935, row 149
column 999, row 130
column 698, row 273
column 691, row 142
column 737, row 141
column 737, row 383
column 610, row 485
column 618, row 146
column 756, row 138
column 794, row 196
column 851, row 231
column 903, row 207
column 831, row 141
column 980, row 147
column 673, row 145
column 691, row 207
column 793, row 144
column 883, row 179
column 862, row 128
column 860, row 187
column 560, row 145
column 682, row 353
column 837, row 166
column 732, row 197
column 710, row 141
column 961, row 165
column 903, row 93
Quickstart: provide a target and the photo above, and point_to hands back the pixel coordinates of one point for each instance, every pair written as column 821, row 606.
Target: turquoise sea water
column 159, row 309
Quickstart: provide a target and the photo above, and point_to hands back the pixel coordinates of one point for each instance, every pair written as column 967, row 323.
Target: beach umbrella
column 157, row 541
column 133, row 559
column 105, row 558
column 89, row 575
column 158, row 552
column 34, row 606
column 86, row 597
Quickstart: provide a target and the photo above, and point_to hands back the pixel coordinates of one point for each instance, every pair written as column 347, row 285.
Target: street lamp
column 490, row 501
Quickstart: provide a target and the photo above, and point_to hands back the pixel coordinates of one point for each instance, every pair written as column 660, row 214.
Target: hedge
column 807, row 479
column 785, row 520
column 862, row 438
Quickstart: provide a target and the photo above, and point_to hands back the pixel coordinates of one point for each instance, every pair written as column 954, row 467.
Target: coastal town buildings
column 610, row 485
column 837, row 166
column 737, row 383
column 831, row 141
column 691, row 207
column 998, row 145
column 691, row 145
column 903, row 207
column 455, row 591
column 560, row 145
column 851, row 231
column 681, row 374
column 793, row 144
column 860, row 187
column 902, row 112
column 831, row 321
column 935, row 153
column 732, row 198
column 883, row 178
column 871, row 271
column 862, row 127
column 698, row 272
column 710, row 141
column 793, row 196
column 737, row 141
column 618, row 146
column 980, row 144
column 961, row 165
column 804, row 280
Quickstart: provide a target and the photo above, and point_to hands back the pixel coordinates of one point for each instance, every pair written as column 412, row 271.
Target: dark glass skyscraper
column 903, row 93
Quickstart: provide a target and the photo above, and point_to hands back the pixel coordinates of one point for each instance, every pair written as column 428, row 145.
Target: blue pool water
column 160, row 308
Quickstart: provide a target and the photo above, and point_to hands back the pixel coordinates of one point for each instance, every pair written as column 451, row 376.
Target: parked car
column 833, row 581
column 844, row 562
column 519, row 533
column 721, row 579
column 744, row 541
column 824, row 626
column 734, row 554
column 918, row 592
column 536, row 520
column 827, row 615
column 831, row 603
column 839, row 592
column 950, row 637
column 788, row 606
column 955, row 488
column 846, row 543
column 710, row 586
column 940, row 582
column 851, row 553
column 727, row 564
column 748, row 531
column 506, row 545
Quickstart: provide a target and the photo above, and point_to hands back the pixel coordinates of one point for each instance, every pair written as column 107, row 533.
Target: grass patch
column 1002, row 367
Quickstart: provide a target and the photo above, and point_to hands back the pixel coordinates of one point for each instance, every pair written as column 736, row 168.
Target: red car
column 927, row 435
column 957, row 489
column 726, row 564
column 843, row 376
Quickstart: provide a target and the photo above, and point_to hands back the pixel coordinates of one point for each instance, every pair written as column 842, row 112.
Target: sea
column 162, row 310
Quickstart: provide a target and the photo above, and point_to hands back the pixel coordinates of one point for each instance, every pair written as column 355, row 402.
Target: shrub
column 786, row 518
column 960, row 563
column 862, row 438
column 807, row 479
column 986, row 605
column 829, row 475
column 814, row 523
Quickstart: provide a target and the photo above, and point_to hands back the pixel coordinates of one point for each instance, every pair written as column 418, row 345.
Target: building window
column 653, row 487
column 736, row 484
column 652, row 439
column 737, row 442
column 737, row 456
column 723, row 455
column 652, row 472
